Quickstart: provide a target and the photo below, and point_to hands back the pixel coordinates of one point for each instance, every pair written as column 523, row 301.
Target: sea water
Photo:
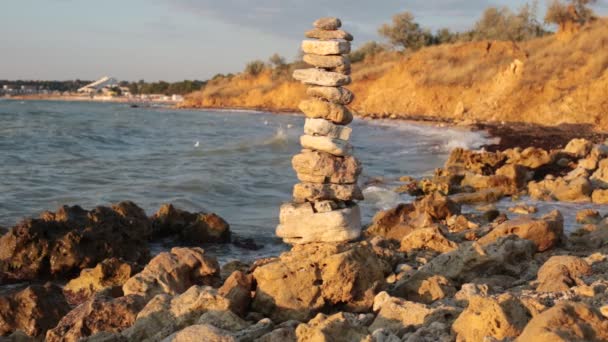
column 233, row 163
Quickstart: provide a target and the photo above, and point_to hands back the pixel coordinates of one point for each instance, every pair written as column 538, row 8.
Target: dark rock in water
column 194, row 228
column 33, row 310
column 3, row 230
column 483, row 163
column 100, row 314
column 246, row 243
column 63, row 243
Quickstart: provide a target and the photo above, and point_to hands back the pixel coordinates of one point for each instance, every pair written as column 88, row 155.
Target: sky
column 191, row 39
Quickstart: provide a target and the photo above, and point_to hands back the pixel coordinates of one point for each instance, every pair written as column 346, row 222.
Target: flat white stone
column 326, row 128
column 336, row 147
column 326, row 47
column 321, row 77
column 299, row 224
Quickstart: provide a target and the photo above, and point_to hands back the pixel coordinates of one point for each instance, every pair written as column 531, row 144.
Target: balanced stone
column 320, row 109
column 339, row 95
column 336, row 147
column 328, row 23
column 319, row 167
column 327, row 128
column 326, row 61
column 327, row 206
column 299, row 224
column 313, row 192
column 321, row 77
column 326, row 47
column 329, row 35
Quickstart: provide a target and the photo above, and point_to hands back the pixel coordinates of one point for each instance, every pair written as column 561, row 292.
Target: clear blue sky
column 189, row 39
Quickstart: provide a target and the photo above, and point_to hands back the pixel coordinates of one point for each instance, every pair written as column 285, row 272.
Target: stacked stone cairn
column 324, row 207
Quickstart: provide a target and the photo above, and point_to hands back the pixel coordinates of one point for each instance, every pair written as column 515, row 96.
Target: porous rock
column 328, row 35
column 499, row 318
column 321, row 109
column 300, row 224
column 566, row 321
column 190, row 227
column 313, row 192
column 327, row 23
column 301, row 282
column 100, row 314
column 560, row 273
column 326, row 128
column 340, row 327
column 545, row 232
column 338, row 95
column 174, row 272
column 320, row 167
column 318, row 77
column 32, row 310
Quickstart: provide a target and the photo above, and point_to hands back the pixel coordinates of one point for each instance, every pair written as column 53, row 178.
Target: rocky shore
column 423, row 271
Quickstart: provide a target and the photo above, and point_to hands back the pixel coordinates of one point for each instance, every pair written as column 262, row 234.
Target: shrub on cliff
column 406, row 33
column 573, row 12
column 503, row 24
column 254, row 68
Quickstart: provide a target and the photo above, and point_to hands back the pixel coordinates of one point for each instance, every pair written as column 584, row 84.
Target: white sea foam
column 381, row 198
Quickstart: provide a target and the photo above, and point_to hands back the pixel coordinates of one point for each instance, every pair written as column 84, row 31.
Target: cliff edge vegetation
column 549, row 80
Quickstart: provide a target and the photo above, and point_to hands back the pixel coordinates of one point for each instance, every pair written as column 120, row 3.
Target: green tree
column 367, row 49
column 254, row 68
column 573, row 11
column 404, row 32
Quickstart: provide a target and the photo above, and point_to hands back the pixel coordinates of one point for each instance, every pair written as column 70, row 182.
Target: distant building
column 99, row 85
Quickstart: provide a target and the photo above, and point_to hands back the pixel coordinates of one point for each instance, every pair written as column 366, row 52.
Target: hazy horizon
column 189, row 39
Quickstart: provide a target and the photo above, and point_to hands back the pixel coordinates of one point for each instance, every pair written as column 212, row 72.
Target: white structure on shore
column 99, row 85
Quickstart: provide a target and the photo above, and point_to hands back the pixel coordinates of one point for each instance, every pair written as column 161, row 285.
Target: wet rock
column 483, row 163
column 396, row 314
column 424, row 288
column 588, row 216
column 173, row 273
column 340, row 327
column 237, row 288
column 100, row 314
column 321, row 109
column 109, row 275
column 303, row 281
column 499, row 318
column 560, row 273
column 481, row 196
column 600, row 196
column 327, row 23
column 506, row 256
column 530, row 157
column 338, row 95
column 523, row 209
column 33, row 310
column 164, row 314
column 599, row 179
column 321, row 78
column 480, row 182
column 313, row 192
column 427, row 239
column 566, row 321
column 400, row 221
column 319, row 167
column 194, row 228
column 63, row 243
column 328, row 35
column 518, row 175
column 579, row 148
column 545, row 232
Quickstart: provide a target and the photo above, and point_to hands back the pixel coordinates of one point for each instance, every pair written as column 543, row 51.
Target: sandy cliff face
column 557, row 79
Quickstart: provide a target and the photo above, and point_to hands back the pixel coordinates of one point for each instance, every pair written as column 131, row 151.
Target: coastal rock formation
column 193, row 228
column 560, row 273
column 173, row 273
column 71, row 239
column 324, row 207
column 100, row 314
column 309, row 277
column 110, row 275
column 33, row 310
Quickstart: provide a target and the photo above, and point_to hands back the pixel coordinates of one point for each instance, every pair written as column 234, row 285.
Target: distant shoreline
column 86, row 99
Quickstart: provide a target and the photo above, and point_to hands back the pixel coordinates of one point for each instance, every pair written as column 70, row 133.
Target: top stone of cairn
column 328, row 23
